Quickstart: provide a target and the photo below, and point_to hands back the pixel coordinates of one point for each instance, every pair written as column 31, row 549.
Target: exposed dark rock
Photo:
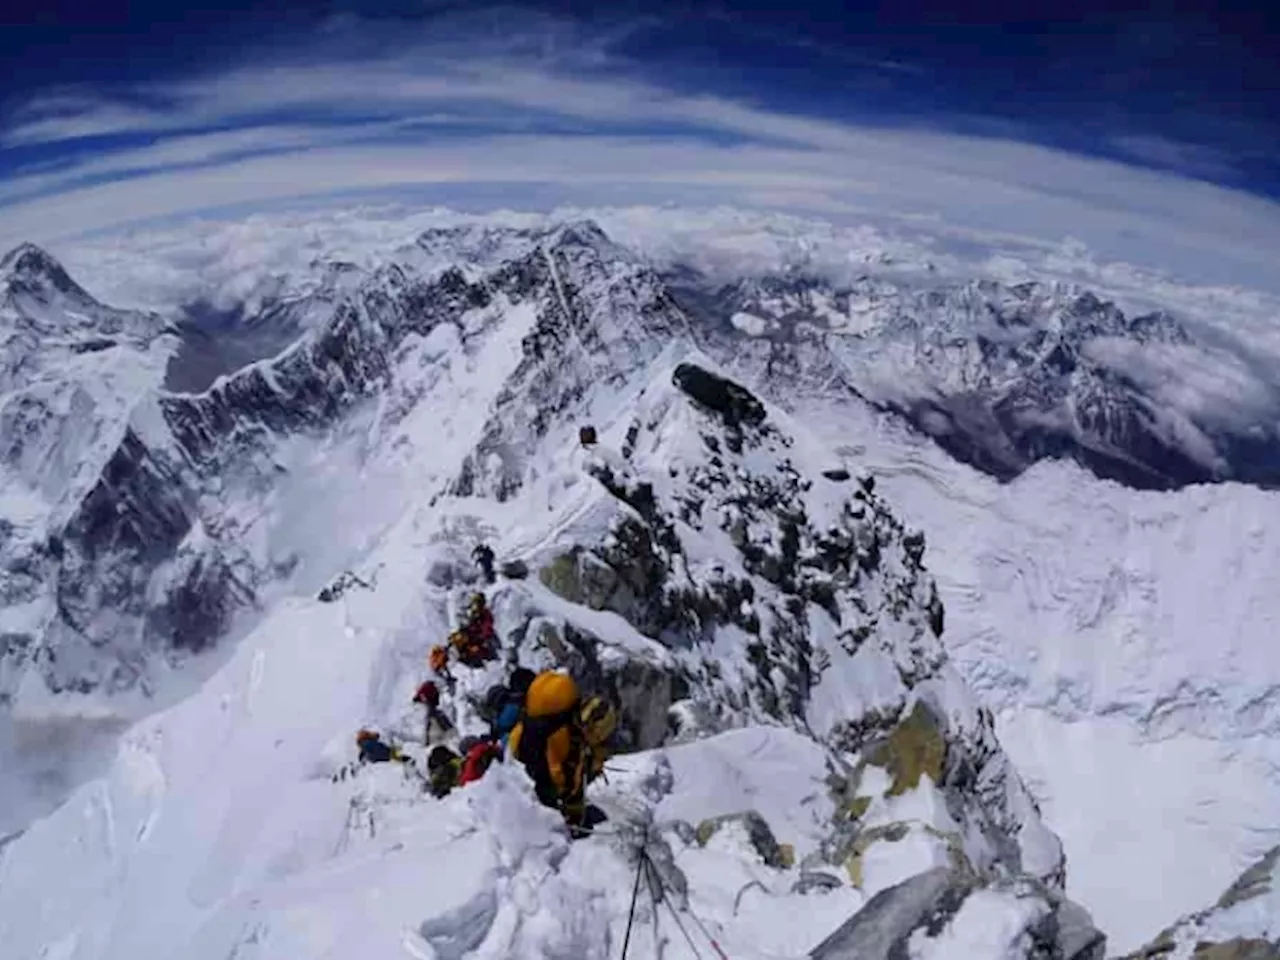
column 339, row 587
column 734, row 403
column 514, row 569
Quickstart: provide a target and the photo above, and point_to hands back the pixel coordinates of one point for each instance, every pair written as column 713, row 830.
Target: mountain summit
column 29, row 270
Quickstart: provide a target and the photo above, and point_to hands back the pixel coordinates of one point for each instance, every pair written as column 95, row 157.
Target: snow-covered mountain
column 713, row 563
column 1004, row 376
column 708, row 563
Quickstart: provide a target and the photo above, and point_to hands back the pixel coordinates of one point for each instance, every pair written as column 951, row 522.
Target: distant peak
column 27, row 257
column 34, row 269
column 584, row 231
column 585, row 234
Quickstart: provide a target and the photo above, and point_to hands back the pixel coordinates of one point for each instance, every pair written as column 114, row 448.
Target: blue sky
column 1132, row 131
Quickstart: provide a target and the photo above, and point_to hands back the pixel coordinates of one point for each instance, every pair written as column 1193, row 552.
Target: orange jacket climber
column 562, row 740
column 476, row 642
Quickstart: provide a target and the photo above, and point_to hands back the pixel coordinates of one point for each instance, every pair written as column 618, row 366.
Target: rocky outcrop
column 1243, row 925
column 733, row 402
column 764, row 592
column 916, row 747
column 940, row 903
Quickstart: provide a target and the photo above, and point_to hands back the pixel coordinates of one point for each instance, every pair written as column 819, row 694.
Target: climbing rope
column 660, row 892
column 635, row 896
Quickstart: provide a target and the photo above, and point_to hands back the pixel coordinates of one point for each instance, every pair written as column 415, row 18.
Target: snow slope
column 1075, row 608
column 220, row 831
column 1123, row 640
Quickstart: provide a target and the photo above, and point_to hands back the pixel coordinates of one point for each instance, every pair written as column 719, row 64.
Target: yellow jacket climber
column 561, row 739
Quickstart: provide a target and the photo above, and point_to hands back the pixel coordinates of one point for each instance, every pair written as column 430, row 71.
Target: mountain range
column 279, row 506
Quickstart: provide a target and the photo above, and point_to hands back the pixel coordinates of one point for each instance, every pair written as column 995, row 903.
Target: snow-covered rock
column 941, row 914
column 1243, row 925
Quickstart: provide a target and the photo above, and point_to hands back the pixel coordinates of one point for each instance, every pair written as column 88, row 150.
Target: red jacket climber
column 476, row 641
column 428, row 694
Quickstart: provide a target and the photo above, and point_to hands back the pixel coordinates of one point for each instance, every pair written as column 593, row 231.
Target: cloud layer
column 541, row 115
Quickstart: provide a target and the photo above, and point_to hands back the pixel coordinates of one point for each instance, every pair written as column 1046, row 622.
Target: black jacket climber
column 443, row 768
column 483, row 555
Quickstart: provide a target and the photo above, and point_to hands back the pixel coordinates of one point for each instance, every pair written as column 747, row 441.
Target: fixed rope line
column 689, row 910
column 635, row 895
column 658, row 892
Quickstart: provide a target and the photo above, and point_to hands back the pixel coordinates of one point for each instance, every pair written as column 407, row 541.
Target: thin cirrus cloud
column 580, row 127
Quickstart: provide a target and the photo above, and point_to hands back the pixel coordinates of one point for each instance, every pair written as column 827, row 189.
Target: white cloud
column 1189, row 158
column 378, row 134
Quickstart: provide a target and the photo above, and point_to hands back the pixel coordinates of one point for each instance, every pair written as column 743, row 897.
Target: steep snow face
column 1121, row 639
column 220, row 829
column 1003, row 376
column 76, row 379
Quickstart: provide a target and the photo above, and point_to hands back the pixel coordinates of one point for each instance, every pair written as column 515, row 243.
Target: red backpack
column 477, row 761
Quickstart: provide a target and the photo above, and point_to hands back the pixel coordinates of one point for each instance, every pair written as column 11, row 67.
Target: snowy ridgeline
column 721, row 568
column 697, row 560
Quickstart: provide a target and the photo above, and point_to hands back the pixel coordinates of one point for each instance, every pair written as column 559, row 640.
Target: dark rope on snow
column 631, row 915
column 658, row 891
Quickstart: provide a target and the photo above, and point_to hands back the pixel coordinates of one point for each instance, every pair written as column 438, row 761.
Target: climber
column 374, row 750
column 476, row 641
column 503, row 703
column 477, row 760
column 428, row 695
column 563, row 740
column 483, row 555
column 438, row 661
column 443, row 768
